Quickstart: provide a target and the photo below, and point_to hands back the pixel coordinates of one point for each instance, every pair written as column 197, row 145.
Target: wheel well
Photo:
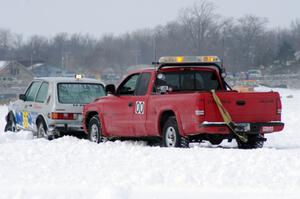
column 39, row 119
column 164, row 117
column 88, row 118
column 10, row 114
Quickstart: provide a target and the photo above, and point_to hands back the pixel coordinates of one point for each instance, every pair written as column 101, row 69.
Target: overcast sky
column 97, row 17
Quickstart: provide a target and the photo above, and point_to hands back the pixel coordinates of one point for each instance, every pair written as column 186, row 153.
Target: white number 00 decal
column 139, row 107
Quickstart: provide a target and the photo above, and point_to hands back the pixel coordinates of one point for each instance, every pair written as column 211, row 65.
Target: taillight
column 63, row 116
column 278, row 106
column 279, row 111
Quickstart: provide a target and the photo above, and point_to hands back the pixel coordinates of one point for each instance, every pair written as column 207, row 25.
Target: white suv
column 53, row 105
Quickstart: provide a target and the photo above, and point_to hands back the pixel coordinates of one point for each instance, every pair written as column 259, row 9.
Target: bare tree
column 6, row 40
column 244, row 43
column 295, row 31
column 199, row 22
column 248, row 32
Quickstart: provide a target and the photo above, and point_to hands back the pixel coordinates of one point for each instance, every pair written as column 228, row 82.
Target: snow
column 73, row 168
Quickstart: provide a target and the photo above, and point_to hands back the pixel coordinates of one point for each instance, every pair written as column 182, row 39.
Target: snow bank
column 72, row 168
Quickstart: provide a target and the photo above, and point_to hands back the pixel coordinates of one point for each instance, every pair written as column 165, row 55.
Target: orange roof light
column 179, row 59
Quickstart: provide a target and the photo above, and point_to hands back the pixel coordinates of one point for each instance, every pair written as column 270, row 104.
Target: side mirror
column 22, row 97
column 110, row 89
column 223, row 72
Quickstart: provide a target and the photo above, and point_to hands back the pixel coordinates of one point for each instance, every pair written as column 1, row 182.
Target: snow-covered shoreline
column 72, row 168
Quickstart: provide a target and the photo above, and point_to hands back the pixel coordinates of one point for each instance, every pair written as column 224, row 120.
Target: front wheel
column 11, row 123
column 94, row 130
column 171, row 136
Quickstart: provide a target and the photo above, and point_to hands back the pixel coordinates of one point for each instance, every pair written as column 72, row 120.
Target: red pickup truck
column 181, row 100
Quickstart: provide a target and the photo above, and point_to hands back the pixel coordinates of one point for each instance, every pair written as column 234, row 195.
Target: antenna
column 155, row 61
column 154, row 48
column 223, row 49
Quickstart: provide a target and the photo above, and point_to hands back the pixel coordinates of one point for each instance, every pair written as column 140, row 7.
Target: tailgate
column 244, row 107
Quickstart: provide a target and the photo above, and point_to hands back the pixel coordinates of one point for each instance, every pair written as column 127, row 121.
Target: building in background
column 14, row 78
column 45, row 70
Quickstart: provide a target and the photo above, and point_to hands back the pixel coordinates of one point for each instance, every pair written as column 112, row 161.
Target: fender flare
column 178, row 119
column 179, row 123
column 43, row 118
column 9, row 113
column 103, row 127
column 101, row 120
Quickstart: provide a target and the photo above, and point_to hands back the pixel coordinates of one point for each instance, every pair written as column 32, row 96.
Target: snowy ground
column 74, row 168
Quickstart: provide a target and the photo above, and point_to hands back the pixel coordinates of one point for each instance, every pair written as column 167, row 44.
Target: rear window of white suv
column 79, row 93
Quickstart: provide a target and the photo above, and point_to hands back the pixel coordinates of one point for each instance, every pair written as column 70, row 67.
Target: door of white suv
column 24, row 117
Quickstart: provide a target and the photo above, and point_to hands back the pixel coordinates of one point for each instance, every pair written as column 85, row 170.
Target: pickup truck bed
column 197, row 113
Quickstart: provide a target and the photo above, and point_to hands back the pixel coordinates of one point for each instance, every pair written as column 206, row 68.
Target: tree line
column 243, row 43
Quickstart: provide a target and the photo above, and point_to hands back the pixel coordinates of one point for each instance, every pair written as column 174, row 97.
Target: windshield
column 79, row 93
column 187, row 81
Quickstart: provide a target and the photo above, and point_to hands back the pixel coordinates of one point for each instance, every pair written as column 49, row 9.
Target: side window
column 128, row 87
column 32, row 90
column 143, row 84
column 42, row 94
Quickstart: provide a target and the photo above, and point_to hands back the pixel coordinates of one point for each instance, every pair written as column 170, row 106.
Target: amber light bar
column 189, row 59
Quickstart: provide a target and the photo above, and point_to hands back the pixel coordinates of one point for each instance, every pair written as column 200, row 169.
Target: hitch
column 261, row 138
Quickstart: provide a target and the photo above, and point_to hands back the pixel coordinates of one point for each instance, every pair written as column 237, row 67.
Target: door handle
column 130, row 104
column 30, row 105
column 240, row 102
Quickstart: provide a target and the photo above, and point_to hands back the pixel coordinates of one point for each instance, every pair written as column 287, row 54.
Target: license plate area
column 243, row 127
column 79, row 117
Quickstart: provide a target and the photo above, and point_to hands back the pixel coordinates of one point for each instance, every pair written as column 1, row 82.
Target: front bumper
column 249, row 128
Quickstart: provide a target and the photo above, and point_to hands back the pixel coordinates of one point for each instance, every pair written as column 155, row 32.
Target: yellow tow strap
column 227, row 118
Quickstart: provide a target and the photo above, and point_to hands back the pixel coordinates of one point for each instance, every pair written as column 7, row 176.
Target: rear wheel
column 42, row 131
column 11, row 123
column 171, row 136
column 254, row 142
column 95, row 130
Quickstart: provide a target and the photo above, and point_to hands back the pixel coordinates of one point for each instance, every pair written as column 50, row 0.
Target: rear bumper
column 65, row 128
column 252, row 128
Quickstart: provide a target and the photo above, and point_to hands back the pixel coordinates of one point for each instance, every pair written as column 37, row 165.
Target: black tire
column 42, row 131
column 215, row 139
column 254, row 142
column 95, row 130
column 171, row 136
column 10, row 124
